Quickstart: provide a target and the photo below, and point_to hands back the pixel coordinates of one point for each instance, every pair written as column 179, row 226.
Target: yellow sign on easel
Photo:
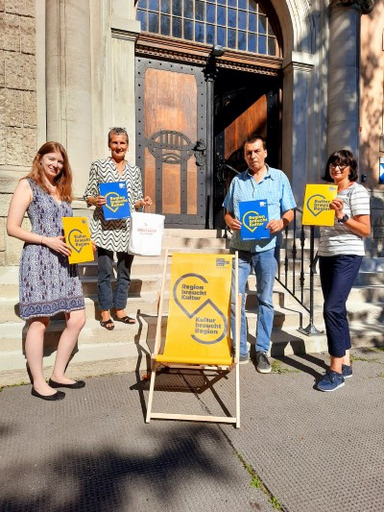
column 199, row 310
column 316, row 211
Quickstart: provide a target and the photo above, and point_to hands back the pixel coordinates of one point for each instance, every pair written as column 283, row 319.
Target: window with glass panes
column 236, row 24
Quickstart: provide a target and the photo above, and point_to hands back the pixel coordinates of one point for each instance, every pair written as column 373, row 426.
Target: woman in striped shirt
column 112, row 236
column 341, row 251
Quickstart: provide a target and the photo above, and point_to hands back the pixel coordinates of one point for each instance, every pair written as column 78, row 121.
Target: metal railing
column 296, row 250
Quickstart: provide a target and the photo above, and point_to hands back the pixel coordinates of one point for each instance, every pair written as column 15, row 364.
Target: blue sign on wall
column 381, row 171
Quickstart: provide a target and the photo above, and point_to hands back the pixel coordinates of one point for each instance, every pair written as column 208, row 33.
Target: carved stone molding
column 365, row 6
column 149, row 45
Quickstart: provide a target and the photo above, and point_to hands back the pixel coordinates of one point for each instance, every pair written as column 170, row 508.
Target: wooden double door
column 173, row 127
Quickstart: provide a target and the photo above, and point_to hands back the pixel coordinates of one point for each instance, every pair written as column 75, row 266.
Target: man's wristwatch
column 343, row 219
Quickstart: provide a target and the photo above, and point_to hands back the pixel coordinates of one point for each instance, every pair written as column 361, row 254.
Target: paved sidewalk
column 307, row 451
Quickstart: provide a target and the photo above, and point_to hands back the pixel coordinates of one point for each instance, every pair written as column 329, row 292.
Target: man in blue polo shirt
column 258, row 182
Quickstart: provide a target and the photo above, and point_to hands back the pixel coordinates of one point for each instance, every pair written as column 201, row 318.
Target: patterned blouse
column 112, row 235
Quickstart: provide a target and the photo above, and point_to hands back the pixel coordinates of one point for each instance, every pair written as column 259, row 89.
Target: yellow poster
column 198, row 327
column 316, row 211
column 78, row 237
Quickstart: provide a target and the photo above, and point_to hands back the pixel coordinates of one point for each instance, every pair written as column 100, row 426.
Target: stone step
column 144, row 294
column 367, row 293
column 13, row 332
column 126, row 348
column 144, row 302
column 370, row 278
column 149, row 283
column 97, row 352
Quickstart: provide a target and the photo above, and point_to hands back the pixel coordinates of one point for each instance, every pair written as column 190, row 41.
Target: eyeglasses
column 341, row 167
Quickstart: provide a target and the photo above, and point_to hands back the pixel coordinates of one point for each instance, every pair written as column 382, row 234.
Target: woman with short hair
column 341, row 251
column 112, row 236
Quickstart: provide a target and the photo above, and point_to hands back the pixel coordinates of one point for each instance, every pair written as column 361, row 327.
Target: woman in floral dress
column 48, row 284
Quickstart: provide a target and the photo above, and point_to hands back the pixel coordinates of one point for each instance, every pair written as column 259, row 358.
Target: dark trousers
column 117, row 298
column 337, row 274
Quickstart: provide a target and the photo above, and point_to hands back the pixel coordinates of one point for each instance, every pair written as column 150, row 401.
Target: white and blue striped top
column 338, row 239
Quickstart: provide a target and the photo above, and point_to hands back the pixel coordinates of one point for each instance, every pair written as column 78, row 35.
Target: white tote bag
column 146, row 234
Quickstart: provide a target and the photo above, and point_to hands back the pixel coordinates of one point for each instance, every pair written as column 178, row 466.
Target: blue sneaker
column 331, row 381
column 347, row 371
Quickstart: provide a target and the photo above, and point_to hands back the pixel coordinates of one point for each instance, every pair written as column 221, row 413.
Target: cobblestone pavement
column 298, row 450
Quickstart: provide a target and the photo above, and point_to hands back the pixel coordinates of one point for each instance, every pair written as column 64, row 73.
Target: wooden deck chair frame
column 156, row 365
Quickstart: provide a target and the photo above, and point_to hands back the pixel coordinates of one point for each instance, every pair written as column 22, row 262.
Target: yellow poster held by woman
column 198, row 328
column 78, row 237
column 316, row 211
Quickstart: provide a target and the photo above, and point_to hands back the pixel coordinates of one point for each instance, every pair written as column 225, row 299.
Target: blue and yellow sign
column 254, row 218
column 78, row 237
column 316, row 211
column 116, row 196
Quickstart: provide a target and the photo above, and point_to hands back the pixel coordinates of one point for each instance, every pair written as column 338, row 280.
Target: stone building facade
column 69, row 70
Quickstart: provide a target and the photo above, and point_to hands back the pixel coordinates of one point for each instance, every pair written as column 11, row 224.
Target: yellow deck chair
column 198, row 332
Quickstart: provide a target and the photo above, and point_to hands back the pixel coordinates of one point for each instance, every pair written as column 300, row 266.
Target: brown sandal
column 108, row 324
column 125, row 319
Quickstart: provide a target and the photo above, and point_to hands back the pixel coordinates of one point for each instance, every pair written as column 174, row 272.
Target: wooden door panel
column 171, row 112
column 240, row 113
column 171, row 196
column 149, row 174
column 170, row 102
column 252, row 120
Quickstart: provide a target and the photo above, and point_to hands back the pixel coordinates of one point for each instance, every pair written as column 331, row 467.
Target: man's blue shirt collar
column 267, row 175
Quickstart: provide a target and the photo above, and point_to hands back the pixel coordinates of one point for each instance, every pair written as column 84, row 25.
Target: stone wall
column 18, row 107
column 372, row 119
column 110, row 38
column 375, row 244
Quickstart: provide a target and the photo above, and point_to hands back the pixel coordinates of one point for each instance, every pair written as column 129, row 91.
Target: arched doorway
column 197, row 105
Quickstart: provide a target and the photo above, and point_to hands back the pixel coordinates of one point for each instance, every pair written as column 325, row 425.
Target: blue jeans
column 337, row 274
column 109, row 299
column 265, row 267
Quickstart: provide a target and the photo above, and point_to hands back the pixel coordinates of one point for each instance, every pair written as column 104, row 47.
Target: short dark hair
column 254, row 137
column 117, row 131
column 342, row 157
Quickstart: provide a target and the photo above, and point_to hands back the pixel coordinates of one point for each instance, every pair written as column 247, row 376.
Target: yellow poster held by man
column 316, row 211
column 199, row 310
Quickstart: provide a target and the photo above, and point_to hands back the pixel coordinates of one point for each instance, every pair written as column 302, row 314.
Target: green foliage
column 257, row 483
column 278, row 368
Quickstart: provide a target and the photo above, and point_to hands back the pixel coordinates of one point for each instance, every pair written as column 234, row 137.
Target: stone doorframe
column 319, row 115
column 90, row 51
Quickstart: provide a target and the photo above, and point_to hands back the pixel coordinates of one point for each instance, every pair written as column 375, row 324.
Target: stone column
column 122, row 94
column 298, row 120
column 344, row 73
column 114, row 32
column 68, row 83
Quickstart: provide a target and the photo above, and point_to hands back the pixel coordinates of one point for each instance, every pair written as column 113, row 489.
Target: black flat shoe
column 76, row 385
column 59, row 395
